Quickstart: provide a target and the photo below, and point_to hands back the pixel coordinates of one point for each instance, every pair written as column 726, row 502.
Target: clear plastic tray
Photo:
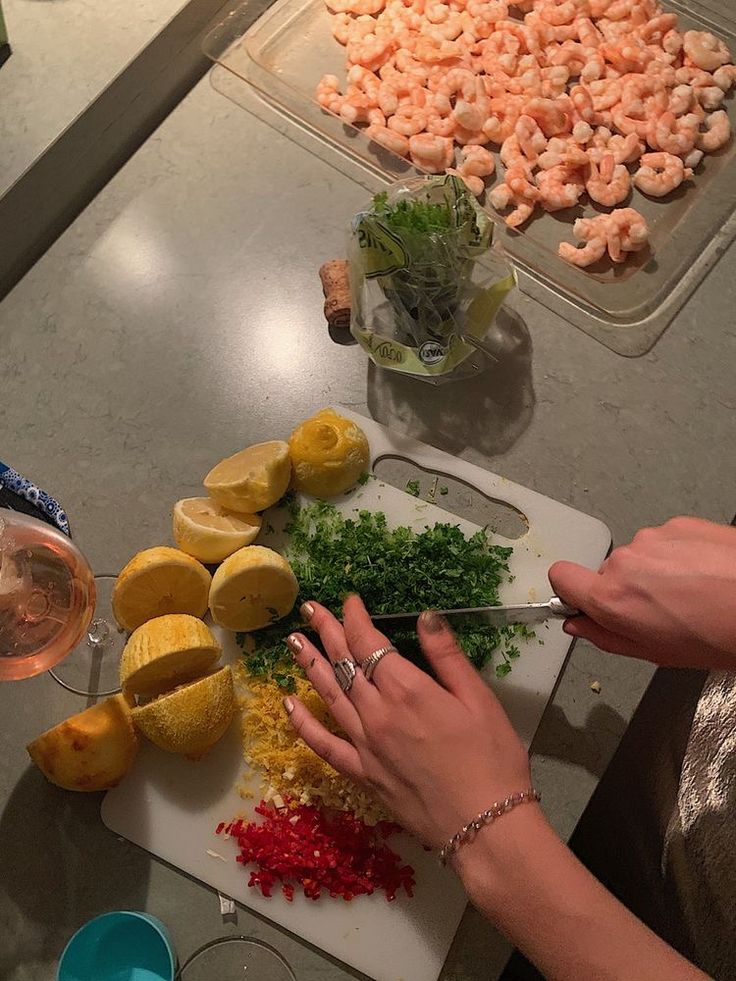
column 280, row 52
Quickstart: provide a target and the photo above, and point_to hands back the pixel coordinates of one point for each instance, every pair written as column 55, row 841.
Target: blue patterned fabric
column 12, row 481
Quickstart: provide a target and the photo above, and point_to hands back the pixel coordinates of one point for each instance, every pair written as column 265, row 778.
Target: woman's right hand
column 668, row 597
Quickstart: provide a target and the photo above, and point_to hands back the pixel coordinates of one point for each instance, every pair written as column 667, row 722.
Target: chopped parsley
column 444, row 490
column 412, row 487
column 393, row 570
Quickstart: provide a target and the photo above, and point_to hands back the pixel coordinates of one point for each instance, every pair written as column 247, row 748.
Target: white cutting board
column 171, row 807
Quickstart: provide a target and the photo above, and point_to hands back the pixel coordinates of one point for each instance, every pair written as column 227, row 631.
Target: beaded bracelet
column 469, row 831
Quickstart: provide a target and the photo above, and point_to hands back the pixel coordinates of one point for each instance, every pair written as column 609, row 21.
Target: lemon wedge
column 252, row 588
column 208, row 532
column 167, row 652
column 253, row 479
column 191, row 719
column 328, row 454
column 92, row 750
column 157, row 581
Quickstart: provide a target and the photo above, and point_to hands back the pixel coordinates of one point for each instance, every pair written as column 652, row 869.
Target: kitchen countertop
column 180, row 317
column 64, row 55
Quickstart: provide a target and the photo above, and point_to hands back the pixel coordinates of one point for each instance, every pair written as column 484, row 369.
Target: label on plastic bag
column 382, row 253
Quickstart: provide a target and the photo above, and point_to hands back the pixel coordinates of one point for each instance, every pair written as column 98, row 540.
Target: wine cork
column 336, row 288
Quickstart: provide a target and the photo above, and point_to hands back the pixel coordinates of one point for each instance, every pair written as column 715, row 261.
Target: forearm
column 528, row 883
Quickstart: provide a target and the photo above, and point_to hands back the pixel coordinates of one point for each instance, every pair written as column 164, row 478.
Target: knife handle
column 558, row 608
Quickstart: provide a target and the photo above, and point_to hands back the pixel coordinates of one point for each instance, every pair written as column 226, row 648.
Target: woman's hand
column 668, row 597
column 436, row 754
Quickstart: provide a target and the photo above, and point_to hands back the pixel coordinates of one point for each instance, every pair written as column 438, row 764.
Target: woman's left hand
column 436, row 753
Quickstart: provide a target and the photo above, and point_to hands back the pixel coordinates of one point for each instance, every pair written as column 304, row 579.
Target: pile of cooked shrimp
column 581, row 96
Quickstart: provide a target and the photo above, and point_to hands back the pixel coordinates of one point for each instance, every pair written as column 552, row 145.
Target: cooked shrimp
column 625, row 149
column 389, row 139
column 469, row 115
column 710, row 97
column 724, row 77
column 657, row 28
column 441, row 125
column 408, row 120
column 660, row 173
column 632, row 228
column 327, row 93
column 560, row 187
column 693, row 159
column 531, row 139
column 592, row 251
column 477, row 161
column 608, row 184
column 365, row 80
column 718, row 132
column 705, row 50
column 551, row 118
column 682, row 98
column 429, row 152
column 370, row 51
column 673, row 135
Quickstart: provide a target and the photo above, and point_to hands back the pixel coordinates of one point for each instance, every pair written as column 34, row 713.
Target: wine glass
column 48, row 599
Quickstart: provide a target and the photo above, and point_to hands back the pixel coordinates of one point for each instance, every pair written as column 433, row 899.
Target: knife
column 490, row 616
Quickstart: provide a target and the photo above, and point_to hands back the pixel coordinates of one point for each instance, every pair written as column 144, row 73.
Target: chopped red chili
column 333, row 852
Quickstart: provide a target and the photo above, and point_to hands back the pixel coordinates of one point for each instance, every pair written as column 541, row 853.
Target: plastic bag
column 420, row 295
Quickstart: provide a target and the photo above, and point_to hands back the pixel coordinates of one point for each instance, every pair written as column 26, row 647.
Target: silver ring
column 345, row 672
column 369, row 665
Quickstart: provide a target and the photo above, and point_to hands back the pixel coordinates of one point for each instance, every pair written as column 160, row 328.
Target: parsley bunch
column 393, row 570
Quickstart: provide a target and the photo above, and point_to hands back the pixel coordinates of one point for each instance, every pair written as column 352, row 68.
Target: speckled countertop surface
column 180, row 317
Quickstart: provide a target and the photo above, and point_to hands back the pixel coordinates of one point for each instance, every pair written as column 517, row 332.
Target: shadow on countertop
column 59, row 867
column 488, row 411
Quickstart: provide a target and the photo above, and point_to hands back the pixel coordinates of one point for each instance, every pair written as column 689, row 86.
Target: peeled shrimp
column 608, row 184
column 531, row 139
column 560, row 187
column 432, row 153
column 328, row 95
column 705, row 50
column 389, row 139
column 718, row 132
column 592, row 251
column 673, row 135
column 660, row 173
column 477, row 161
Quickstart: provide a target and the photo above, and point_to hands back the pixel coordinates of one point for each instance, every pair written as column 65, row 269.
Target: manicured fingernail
column 294, row 643
column 307, row 611
column 433, row 622
column 288, row 705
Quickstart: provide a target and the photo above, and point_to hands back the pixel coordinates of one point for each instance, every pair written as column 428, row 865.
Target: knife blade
column 490, row 616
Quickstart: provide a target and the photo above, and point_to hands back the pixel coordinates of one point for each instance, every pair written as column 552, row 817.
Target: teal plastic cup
column 120, row 946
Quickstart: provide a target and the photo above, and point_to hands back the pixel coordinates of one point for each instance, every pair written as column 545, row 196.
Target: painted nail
column 433, row 622
column 288, row 705
column 307, row 611
column 294, row 643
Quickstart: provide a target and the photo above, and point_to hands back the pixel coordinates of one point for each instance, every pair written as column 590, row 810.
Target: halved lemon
column 191, row 719
column 328, row 454
column 167, row 652
column 89, row 751
column 157, row 581
column 253, row 479
column 252, row 588
column 209, row 532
